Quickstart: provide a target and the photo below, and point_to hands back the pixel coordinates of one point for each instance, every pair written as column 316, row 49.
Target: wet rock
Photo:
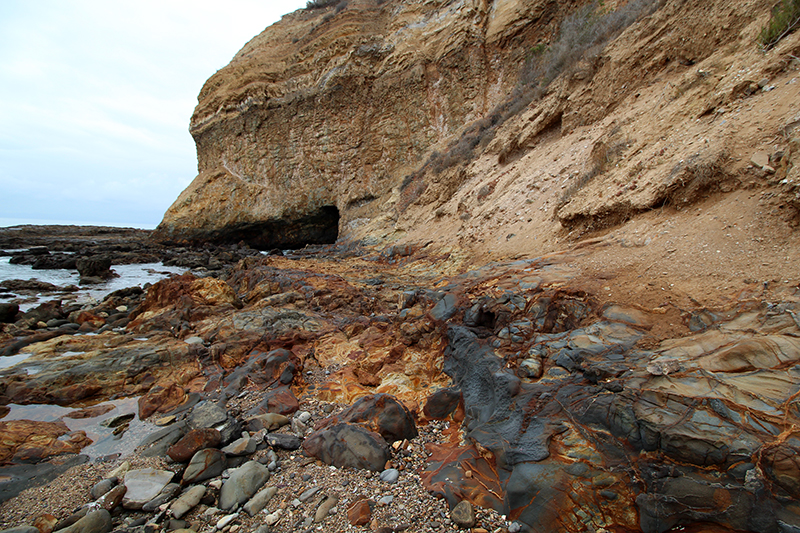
column 242, row 484
column 187, row 501
column 94, row 522
column 143, row 485
column 381, row 413
column 95, row 267
column 463, row 514
column 360, row 512
column 442, row 403
column 257, row 503
column 46, row 311
column 348, row 445
column 8, row 312
column 192, row 442
column 31, row 441
column 161, row 400
column 205, row 464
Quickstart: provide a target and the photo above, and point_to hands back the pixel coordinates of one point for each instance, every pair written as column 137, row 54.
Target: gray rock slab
column 207, row 415
column 143, row 485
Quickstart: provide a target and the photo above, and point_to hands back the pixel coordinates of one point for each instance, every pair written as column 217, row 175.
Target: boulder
column 280, row 400
column 381, row 413
column 187, row 501
column 95, row 267
column 348, row 445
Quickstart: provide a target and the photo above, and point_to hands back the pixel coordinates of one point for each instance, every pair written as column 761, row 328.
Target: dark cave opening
column 288, row 233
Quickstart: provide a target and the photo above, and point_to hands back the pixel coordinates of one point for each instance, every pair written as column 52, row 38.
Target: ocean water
column 129, row 276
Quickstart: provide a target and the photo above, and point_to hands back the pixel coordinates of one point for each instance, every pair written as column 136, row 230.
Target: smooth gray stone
column 308, row 493
column 102, row 486
column 187, row 501
column 205, row 464
column 143, row 485
column 243, row 484
column 390, row 475
column 94, row 522
column 260, row 500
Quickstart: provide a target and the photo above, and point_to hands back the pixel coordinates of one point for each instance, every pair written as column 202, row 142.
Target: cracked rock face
column 317, row 119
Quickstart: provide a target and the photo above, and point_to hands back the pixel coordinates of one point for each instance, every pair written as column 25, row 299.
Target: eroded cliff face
column 323, row 114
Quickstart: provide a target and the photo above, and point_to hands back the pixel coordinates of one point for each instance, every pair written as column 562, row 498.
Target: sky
column 96, row 97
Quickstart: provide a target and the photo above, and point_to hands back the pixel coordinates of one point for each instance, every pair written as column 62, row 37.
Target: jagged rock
column 242, row 484
column 95, row 267
column 205, row 464
column 348, row 445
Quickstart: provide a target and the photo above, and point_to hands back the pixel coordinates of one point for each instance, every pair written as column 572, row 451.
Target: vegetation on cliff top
column 785, row 19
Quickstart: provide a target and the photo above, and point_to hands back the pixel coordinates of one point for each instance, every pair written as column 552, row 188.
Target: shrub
column 319, row 4
column 785, row 19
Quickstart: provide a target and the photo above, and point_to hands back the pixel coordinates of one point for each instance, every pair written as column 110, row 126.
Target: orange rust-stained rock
column 27, row 440
column 360, row 512
column 161, row 399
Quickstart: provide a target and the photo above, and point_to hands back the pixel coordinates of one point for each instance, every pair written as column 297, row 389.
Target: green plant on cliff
column 785, row 19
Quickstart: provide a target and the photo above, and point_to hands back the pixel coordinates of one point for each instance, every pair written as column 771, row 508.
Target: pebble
column 386, row 500
column 272, row 519
column 463, row 514
column 390, row 475
column 308, row 493
column 225, row 520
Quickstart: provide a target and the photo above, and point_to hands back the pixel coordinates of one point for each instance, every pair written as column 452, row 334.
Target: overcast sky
column 96, row 97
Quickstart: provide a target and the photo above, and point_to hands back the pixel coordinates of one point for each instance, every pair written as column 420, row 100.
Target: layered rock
column 320, row 116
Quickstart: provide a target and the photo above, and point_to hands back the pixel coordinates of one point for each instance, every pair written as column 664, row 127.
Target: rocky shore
column 401, row 389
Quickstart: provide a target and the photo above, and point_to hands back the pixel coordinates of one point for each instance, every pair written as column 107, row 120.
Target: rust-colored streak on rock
column 482, row 488
column 26, row 440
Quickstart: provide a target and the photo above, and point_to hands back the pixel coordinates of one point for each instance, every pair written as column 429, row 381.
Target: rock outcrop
column 319, row 117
